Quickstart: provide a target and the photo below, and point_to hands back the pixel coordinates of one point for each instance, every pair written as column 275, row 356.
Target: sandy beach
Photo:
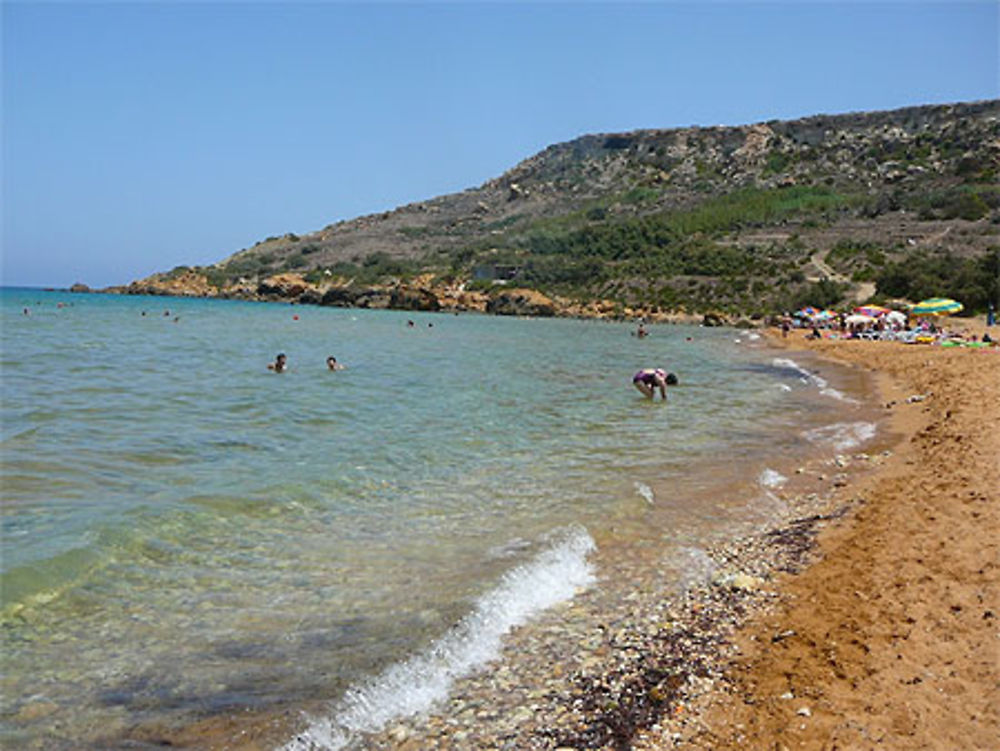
column 891, row 638
column 867, row 617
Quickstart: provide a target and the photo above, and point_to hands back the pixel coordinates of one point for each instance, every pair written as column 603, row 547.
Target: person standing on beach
column 279, row 364
column 648, row 380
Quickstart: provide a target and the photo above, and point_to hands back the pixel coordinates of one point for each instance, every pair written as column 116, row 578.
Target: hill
column 751, row 219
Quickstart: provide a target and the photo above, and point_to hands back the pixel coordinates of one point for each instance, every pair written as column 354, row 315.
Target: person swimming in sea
column 648, row 380
column 332, row 364
column 279, row 364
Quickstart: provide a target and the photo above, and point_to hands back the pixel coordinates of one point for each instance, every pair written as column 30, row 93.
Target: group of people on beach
column 280, row 364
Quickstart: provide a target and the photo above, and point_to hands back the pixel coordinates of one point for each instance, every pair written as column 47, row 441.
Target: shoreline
column 604, row 666
column 890, row 637
column 743, row 660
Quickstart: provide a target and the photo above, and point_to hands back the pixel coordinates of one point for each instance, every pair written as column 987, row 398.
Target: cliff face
column 879, row 166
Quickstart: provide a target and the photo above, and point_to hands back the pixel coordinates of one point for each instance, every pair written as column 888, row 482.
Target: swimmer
column 332, row 364
column 648, row 380
column 642, row 331
column 279, row 364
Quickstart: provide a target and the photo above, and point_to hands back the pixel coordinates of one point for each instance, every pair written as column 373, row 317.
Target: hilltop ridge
column 751, row 218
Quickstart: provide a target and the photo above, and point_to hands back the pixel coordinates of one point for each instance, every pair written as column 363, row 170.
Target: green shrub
column 972, row 281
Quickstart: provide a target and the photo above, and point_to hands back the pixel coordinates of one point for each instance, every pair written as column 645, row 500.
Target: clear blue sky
column 141, row 136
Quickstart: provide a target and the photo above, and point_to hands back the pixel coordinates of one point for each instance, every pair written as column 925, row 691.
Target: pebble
column 805, row 712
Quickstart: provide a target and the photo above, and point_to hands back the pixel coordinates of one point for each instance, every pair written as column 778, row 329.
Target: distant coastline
column 420, row 295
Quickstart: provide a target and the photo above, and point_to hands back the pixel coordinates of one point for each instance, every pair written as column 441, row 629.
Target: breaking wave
column 415, row 685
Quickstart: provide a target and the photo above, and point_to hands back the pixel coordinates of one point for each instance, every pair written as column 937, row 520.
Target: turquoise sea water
column 185, row 533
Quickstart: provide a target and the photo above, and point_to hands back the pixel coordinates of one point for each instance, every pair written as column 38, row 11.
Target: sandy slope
column 892, row 639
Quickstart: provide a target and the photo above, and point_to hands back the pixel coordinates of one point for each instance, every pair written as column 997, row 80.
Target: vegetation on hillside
column 726, row 219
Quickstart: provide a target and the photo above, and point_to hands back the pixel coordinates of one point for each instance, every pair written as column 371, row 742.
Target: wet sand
column 867, row 615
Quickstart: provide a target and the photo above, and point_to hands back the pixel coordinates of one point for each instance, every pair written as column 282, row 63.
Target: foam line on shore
column 815, row 380
column 842, row 435
column 770, row 478
column 415, row 685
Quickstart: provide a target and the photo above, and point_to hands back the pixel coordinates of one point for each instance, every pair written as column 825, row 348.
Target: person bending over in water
column 648, row 380
column 332, row 364
column 278, row 366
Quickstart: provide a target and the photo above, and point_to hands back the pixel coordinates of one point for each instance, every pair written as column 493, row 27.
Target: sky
column 139, row 136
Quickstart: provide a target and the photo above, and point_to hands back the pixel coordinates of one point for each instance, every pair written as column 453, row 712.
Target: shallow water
column 186, row 533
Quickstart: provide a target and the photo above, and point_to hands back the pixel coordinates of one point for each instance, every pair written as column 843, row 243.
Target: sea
column 187, row 534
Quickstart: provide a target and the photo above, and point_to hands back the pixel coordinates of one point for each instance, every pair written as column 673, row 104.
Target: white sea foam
column 842, row 435
column 698, row 566
column 415, row 685
column 646, row 492
column 770, row 478
column 813, row 379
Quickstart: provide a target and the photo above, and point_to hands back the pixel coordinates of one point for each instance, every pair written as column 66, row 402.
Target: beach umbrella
column 825, row 315
column 807, row 312
column 858, row 318
column 873, row 311
column 894, row 316
column 936, row 306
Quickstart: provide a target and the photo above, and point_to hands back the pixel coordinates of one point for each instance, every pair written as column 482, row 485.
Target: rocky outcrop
column 80, row 287
column 407, row 298
column 178, row 283
column 283, row 286
column 521, row 302
column 422, row 294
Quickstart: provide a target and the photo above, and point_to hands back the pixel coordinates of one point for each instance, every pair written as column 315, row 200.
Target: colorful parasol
column 936, row 306
column 872, row 311
column 856, row 318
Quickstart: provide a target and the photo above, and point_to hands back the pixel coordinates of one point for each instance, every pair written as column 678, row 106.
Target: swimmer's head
column 280, row 358
column 331, row 362
column 671, row 379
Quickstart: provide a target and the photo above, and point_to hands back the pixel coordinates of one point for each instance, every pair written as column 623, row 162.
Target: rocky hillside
column 754, row 218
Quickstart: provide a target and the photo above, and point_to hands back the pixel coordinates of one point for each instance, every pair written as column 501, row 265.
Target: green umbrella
column 936, row 306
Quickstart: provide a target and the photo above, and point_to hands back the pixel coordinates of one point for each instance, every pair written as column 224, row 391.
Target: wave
column 415, row 685
column 770, row 478
column 815, row 380
column 645, row 491
column 842, row 435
